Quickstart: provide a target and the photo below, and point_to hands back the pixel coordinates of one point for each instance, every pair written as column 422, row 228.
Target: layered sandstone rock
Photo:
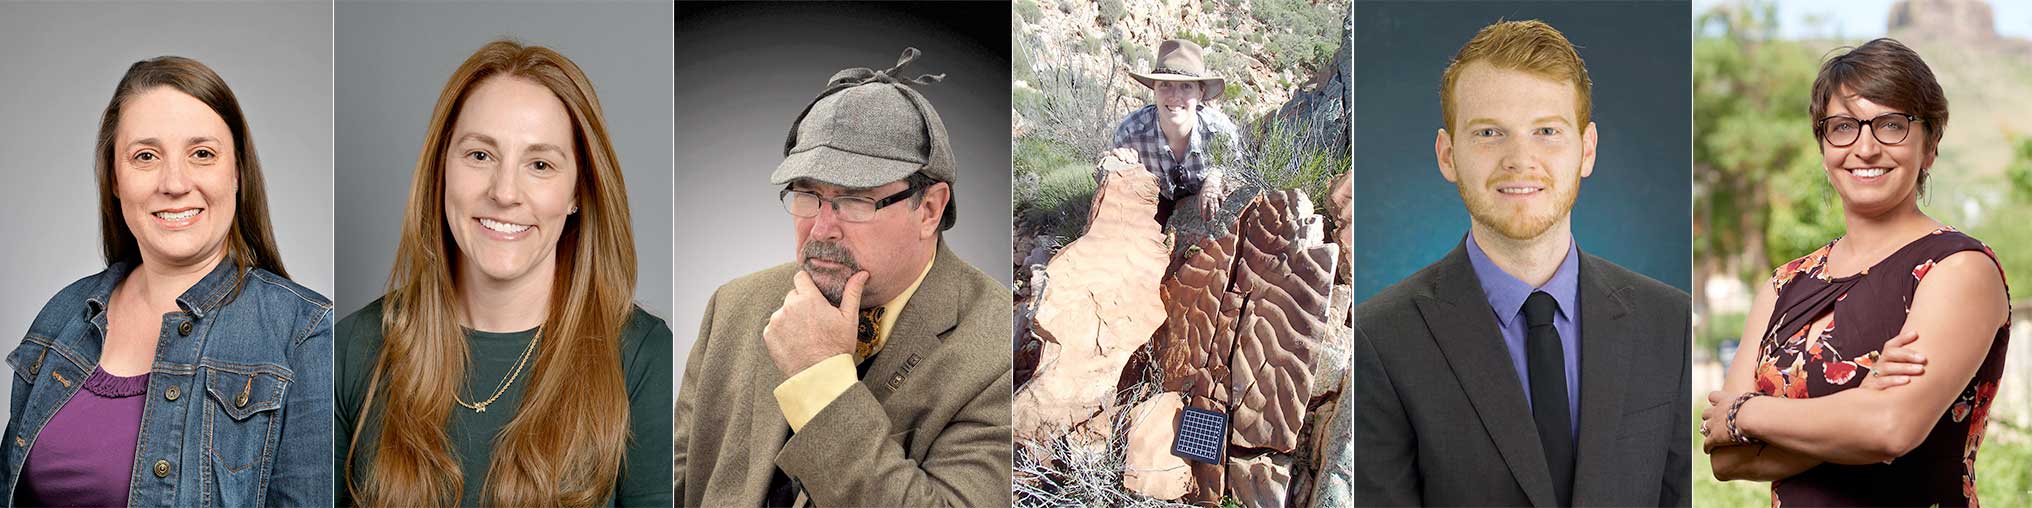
column 1101, row 305
column 1149, row 467
column 1340, row 215
column 1285, row 273
column 1260, row 481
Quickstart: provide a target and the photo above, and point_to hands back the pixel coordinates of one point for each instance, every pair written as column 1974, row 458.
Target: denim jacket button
column 161, row 469
column 172, row 393
column 183, row 328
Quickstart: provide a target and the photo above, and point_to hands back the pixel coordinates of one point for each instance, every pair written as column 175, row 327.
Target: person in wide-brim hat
column 1181, row 60
column 1172, row 136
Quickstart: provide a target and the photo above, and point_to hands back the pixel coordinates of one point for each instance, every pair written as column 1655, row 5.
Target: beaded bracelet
column 1736, row 407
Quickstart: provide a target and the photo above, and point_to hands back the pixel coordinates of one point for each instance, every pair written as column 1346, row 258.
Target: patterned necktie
column 864, row 342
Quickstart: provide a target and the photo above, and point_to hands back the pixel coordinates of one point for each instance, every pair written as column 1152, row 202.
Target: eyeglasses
column 1888, row 128
column 805, row 205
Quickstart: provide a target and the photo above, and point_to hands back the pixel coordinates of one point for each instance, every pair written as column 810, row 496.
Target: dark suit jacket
column 928, row 424
column 1440, row 418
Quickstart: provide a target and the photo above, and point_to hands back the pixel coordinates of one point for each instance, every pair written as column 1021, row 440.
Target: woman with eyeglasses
column 1908, row 309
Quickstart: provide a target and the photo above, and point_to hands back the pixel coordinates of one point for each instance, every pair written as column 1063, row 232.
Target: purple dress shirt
column 1506, row 296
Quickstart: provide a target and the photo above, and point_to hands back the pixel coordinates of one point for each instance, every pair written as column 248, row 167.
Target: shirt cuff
column 808, row 392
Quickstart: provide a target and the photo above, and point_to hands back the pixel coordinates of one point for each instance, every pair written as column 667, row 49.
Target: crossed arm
column 1953, row 337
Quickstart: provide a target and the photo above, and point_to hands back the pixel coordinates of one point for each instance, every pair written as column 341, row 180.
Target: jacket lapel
column 1466, row 331
column 931, row 312
column 1605, row 327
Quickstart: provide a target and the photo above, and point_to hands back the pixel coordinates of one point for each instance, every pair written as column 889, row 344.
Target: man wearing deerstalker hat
column 1173, row 135
column 873, row 369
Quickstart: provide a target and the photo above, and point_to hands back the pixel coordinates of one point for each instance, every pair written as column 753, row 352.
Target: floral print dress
column 1862, row 312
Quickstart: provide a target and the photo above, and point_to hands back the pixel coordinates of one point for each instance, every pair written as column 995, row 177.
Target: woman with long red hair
column 507, row 364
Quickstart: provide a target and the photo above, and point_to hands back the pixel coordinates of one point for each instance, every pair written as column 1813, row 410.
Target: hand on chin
column 808, row 328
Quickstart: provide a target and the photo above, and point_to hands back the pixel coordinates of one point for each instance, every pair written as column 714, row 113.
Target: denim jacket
column 239, row 404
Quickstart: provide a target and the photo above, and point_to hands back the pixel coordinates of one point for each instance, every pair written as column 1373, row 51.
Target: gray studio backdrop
column 58, row 68
column 747, row 71
column 394, row 58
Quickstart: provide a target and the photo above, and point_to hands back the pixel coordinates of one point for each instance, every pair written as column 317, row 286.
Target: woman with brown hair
column 191, row 371
column 507, row 364
column 1922, row 310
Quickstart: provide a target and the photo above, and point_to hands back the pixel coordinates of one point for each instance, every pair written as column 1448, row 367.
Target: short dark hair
column 922, row 181
column 1886, row 72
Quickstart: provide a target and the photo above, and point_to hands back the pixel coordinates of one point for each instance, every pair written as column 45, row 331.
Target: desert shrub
column 1019, row 60
column 1057, row 186
column 1302, row 35
column 1133, row 55
column 1300, row 153
column 1112, row 10
column 1027, row 10
column 1064, row 473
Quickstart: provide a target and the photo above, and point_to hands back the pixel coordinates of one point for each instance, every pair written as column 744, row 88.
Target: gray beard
column 831, row 282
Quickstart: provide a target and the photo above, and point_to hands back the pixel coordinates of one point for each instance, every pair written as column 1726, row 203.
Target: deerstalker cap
column 868, row 128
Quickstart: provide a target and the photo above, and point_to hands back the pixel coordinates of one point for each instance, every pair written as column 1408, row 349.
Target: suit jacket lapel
column 1605, row 329
column 1458, row 315
column 931, row 312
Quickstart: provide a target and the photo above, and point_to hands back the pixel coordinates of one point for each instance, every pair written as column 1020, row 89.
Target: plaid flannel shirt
column 1176, row 176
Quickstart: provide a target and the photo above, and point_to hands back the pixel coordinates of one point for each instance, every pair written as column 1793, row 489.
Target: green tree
column 2020, row 171
column 1762, row 197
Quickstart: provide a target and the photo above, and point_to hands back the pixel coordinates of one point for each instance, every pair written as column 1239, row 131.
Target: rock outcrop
column 1969, row 19
column 1150, row 468
column 1285, row 276
column 1199, row 333
column 1244, row 311
column 1261, row 481
column 1340, row 209
column 1101, row 305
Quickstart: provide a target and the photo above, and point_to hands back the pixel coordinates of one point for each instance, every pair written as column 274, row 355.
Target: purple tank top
column 84, row 456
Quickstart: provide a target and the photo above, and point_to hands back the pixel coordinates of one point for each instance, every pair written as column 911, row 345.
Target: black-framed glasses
column 804, row 204
column 1888, row 128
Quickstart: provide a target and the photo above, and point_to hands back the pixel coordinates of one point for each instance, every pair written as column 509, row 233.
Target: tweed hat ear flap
column 941, row 166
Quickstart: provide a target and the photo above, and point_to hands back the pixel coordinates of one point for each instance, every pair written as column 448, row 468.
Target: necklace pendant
column 481, row 409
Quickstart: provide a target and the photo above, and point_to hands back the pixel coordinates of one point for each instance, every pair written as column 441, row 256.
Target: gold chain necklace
column 481, row 406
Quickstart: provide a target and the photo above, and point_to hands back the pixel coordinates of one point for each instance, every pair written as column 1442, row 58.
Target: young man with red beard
column 1518, row 371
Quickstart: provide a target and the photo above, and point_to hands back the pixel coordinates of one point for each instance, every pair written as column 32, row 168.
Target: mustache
column 829, row 251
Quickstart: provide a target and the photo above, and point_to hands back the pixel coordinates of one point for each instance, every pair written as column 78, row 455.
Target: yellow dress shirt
column 810, row 391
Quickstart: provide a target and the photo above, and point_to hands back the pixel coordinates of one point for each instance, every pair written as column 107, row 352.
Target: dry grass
column 1070, row 472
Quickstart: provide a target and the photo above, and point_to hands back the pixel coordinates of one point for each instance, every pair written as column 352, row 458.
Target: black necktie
column 1545, row 360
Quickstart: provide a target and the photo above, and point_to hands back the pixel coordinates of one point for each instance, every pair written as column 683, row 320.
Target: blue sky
column 1853, row 19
